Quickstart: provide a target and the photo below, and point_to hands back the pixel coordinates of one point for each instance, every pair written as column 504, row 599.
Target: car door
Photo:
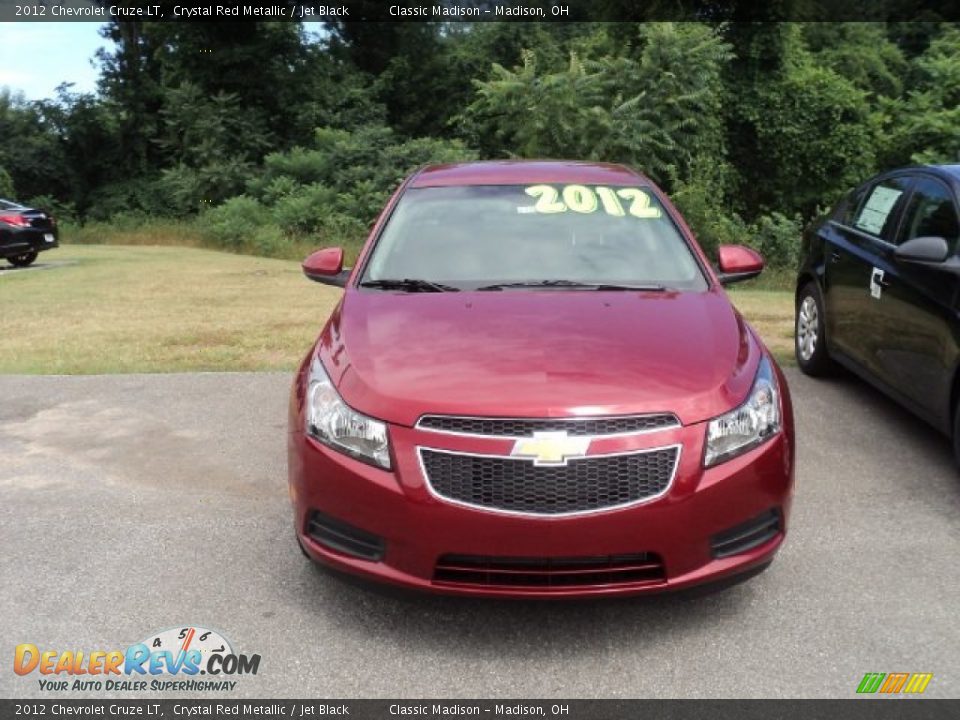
column 916, row 352
column 857, row 246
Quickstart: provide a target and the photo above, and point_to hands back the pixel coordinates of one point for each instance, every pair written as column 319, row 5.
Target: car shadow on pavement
column 887, row 427
column 513, row 628
column 10, row 269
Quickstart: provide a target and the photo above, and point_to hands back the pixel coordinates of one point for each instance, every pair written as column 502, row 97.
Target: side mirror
column 923, row 249
column 326, row 266
column 738, row 263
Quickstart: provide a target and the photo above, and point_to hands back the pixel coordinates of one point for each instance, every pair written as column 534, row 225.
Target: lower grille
column 549, row 573
column 519, row 486
column 746, row 536
column 338, row 535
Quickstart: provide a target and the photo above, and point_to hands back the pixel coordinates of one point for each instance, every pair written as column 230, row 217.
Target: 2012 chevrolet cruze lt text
column 534, row 385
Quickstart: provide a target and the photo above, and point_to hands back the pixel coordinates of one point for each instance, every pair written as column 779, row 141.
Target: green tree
column 657, row 111
column 804, row 133
column 861, row 52
column 30, row 148
column 131, row 79
column 212, row 145
column 6, row 184
column 87, row 137
column 922, row 127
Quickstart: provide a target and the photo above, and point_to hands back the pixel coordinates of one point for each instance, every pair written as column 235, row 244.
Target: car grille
column 549, row 573
column 582, row 485
column 526, row 427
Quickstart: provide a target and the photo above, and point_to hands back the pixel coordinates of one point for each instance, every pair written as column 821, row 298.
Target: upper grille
column 519, row 486
column 525, row 427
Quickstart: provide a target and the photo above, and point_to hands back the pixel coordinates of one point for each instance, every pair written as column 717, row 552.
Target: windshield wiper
column 408, row 285
column 573, row 284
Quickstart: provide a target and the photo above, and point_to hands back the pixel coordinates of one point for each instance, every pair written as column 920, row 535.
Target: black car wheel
column 810, row 345
column 22, row 260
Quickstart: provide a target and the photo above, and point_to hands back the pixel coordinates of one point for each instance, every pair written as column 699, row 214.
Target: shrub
column 6, row 184
column 704, row 203
column 657, row 111
column 361, row 168
column 62, row 211
column 810, row 135
column 236, row 222
column 143, row 196
column 304, row 209
column 343, row 231
column 268, row 240
column 777, row 238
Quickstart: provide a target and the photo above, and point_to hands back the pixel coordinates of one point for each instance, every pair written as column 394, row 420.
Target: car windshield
column 7, row 205
column 486, row 236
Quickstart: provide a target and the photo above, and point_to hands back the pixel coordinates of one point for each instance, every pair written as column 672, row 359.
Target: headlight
column 748, row 425
column 330, row 421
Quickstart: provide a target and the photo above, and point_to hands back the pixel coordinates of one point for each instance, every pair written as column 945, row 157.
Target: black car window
column 877, row 214
column 931, row 212
column 846, row 209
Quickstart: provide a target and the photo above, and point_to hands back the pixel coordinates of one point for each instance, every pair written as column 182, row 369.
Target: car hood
column 397, row 356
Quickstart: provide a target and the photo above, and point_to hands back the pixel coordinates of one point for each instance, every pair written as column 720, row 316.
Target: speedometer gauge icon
column 184, row 639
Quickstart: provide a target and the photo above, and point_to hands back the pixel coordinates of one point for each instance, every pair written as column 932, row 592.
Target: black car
column 878, row 289
column 24, row 233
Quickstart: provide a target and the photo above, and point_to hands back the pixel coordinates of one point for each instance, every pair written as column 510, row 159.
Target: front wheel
column 22, row 260
column 810, row 338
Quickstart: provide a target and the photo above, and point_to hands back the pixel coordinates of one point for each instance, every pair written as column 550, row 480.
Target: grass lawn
column 117, row 309
column 771, row 314
column 157, row 309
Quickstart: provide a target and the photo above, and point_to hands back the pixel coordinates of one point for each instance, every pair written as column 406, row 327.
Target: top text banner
column 477, row 11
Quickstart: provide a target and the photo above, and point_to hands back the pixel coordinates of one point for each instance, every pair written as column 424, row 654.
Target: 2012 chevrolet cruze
column 534, row 385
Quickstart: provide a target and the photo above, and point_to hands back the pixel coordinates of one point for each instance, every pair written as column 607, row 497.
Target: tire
column 809, row 334
column 22, row 260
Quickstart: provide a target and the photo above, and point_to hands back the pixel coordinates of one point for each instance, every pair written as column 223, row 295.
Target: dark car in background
column 878, row 289
column 25, row 232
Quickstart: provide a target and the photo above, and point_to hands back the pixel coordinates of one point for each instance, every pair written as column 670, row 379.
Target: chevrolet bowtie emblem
column 551, row 448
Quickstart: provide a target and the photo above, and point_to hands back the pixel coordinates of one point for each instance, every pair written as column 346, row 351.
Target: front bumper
column 20, row 241
column 417, row 528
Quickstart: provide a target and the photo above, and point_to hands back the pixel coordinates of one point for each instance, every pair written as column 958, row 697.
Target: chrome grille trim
column 592, row 511
column 661, row 422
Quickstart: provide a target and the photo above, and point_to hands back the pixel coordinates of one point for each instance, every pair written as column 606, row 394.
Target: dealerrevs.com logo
column 170, row 660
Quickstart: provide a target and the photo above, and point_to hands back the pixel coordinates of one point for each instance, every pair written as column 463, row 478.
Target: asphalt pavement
column 130, row 504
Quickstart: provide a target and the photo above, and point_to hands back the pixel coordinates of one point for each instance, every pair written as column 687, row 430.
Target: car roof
column 522, row 172
column 948, row 172
column 953, row 170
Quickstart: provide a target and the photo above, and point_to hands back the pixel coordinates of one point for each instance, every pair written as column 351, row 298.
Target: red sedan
column 535, row 385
